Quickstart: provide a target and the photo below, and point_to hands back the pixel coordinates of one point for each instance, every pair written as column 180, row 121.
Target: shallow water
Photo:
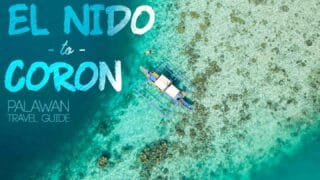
column 256, row 99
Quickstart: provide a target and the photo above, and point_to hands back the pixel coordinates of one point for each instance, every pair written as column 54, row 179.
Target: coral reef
column 152, row 155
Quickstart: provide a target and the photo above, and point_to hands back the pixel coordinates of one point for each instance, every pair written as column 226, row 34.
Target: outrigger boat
column 165, row 85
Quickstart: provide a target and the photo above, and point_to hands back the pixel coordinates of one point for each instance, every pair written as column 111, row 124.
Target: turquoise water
column 253, row 107
column 302, row 165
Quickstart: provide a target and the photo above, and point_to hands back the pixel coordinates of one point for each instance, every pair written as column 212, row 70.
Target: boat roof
column 172, row 91
column 163, row 82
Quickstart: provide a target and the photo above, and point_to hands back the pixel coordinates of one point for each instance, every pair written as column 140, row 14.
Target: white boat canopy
column 162, row 82
column 172, row 91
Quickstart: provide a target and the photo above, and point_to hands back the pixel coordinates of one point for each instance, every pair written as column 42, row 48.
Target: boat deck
column 170, row 82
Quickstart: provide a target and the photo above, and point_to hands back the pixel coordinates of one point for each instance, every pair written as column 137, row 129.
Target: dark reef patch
column 106, row 125
column 236, row 18
column 309, row 42
column 284, row 8
column 152, row 155
column 258, row 2
column 194, row 14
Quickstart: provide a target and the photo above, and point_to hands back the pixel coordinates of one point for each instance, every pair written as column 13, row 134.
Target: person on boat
column 180, row 97
column 148, row 52
column 151, row 77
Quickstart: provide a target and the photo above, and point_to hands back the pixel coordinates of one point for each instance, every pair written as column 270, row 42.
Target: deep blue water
column 21, row 144
column 303, row 165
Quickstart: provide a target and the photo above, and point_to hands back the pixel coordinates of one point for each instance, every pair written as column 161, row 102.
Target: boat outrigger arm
column 166, row 86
